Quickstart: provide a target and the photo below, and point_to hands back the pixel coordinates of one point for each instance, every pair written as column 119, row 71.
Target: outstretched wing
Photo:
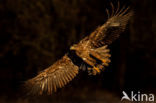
column 56, row 76
column 110, row 31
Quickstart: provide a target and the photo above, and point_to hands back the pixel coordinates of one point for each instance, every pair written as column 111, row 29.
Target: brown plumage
column 56, row 76
column 92, row 50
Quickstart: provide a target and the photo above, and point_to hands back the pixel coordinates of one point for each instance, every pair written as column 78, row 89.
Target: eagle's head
column 82, row 46
column 75, row 47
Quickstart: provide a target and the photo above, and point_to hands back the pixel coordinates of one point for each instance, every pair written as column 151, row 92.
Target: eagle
column 92, row 51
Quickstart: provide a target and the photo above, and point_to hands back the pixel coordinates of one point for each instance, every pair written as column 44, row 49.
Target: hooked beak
column 72, row 48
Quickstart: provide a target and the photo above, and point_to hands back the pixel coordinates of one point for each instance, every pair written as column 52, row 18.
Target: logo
column 138, row 97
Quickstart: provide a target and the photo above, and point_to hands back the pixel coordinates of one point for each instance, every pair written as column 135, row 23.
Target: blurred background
column 36, row 33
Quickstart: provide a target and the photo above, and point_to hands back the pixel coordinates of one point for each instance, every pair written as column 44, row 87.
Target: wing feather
column 54, row 77
column 110, row 31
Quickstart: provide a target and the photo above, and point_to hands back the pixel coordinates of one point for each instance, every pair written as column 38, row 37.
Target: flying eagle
column 92, row 50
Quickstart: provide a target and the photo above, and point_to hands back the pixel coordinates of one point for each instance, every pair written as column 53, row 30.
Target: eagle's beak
column 72, row 48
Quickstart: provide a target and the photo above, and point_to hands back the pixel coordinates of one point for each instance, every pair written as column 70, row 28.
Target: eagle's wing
column 56, row 76
column 114, row 26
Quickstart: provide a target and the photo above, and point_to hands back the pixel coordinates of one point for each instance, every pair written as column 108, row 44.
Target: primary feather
column 92, row 50
column 109, row 31
column 56, row 76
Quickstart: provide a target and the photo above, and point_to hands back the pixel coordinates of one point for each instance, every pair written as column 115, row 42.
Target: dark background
column 36, row 33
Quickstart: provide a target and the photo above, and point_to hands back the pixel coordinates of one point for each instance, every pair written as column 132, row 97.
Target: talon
column 97, row 69
column 100, row 67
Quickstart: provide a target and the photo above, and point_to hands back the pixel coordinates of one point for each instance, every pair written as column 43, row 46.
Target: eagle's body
column 89, row 53
column 92, row 50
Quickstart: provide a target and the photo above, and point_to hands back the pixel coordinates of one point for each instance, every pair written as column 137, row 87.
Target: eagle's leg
column 92, row 62
column 103, row 58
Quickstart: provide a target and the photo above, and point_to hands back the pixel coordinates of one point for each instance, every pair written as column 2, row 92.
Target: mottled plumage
column 92, row 50
column 56, row 76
